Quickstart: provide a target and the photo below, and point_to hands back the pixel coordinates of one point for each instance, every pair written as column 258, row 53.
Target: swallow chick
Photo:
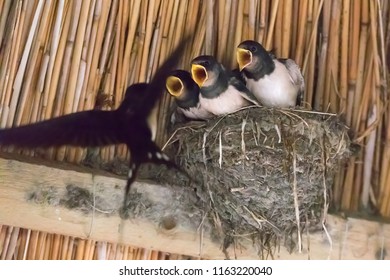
column 221, row 92
column 185, row 92
column 128, row 124
column 275, row 82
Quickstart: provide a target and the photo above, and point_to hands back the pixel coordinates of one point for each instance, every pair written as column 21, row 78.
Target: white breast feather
column 228, row 102
column 198, row 113
column 277, row 89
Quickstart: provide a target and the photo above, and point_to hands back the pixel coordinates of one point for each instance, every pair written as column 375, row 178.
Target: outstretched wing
column 88, row 128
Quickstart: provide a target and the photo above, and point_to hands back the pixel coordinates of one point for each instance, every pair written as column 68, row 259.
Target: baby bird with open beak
column 275, row 82
column 221, row 92
column 185, row 91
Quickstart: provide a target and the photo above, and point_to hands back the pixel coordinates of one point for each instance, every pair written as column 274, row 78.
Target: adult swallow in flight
column 128, row 124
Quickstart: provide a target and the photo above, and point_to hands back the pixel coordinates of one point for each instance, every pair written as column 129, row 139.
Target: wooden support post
column 33, row 195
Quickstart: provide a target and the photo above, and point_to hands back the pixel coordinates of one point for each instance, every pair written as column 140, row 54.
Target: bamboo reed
column 232, row 23
column 33, row 245
column 2, row 238
column 362, row 50
column 27, row 244
column 5, row 8
column 251, row 19
column 5, row 245
column 293, row 36
column 245, row 20
column 55, row 42
column 286, row 28
column 319, row 101
column 48, row 247
column 70, row 249
column 261, row 21
column 56, row 247
column 331, row 82
column 209, row 44
column 275, row 6
column 18, row 49
column 11, row 52
column 301, row 32
column 76, row 55
column 239, row 24
column 344, row 55
column 64, row 246
column 278, row 32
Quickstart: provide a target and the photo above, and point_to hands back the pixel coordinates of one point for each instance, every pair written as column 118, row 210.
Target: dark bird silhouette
column 128, row 124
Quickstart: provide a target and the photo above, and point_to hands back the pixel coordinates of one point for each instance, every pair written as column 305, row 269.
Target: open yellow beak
column 199, row 74
column 174, row 86
column 244, row 58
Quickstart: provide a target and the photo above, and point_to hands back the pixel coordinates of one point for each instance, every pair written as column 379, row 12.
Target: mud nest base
column 266, row 174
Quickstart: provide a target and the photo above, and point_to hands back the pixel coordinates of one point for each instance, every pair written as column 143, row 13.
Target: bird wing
column 244, row 91
column 95, row 128
column 296, row 77
column 88, row 128
column 239, row 75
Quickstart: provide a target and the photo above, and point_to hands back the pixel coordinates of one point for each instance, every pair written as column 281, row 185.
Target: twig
column 329, row 240
column 325, row 210
column 204, row 147
column 296, row 201
column 278, row 132
column 220, row 149
column 243, row 149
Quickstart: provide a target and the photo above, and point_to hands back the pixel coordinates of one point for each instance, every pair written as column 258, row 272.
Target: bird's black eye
column 207, row 63
column 253, row 49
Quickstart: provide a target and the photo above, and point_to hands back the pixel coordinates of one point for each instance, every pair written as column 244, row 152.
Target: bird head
column 174, row 86
column 250, row 53
column 182, row 87
column 203, row 69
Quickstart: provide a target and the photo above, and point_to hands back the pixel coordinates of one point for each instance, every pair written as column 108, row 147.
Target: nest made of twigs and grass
column 266, row 174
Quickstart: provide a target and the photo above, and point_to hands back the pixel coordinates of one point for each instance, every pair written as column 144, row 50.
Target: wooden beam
column 29, row 194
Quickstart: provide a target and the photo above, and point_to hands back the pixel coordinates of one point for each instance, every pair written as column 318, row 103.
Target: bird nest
column 265, row 174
